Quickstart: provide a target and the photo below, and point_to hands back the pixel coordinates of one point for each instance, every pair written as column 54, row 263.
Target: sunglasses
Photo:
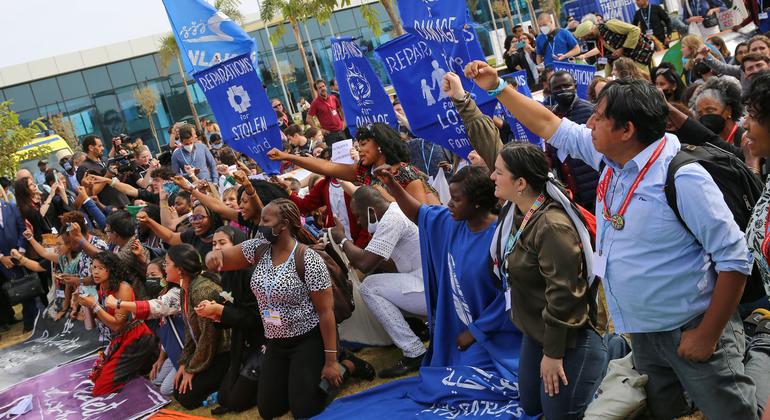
column 197, row 218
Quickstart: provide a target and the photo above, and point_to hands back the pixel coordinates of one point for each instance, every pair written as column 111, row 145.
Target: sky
column 35, row 29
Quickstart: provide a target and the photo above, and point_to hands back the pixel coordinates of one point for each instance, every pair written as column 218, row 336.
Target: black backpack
column 739, row 185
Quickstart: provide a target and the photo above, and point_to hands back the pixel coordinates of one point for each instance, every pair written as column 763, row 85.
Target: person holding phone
column 521, row 56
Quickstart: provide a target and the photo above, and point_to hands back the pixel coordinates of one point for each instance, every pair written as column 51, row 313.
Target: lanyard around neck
column 277, row 277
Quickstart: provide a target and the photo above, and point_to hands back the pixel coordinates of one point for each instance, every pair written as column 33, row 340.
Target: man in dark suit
column 653, row 21
column 11, row 237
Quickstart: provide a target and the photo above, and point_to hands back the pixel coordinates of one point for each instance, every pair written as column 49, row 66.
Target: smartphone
column 520, row 44
column 326, row 387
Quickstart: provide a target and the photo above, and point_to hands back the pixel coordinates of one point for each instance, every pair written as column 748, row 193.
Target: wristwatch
column 119, row 301
column 501, row 85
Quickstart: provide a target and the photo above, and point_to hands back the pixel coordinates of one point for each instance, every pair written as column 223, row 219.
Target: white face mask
column 189, row 148
column 545, row 29
column 372, row 225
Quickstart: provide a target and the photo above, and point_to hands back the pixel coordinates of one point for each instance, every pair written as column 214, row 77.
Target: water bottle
column 211, row 400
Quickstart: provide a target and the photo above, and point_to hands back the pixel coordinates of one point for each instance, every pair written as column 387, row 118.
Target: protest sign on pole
column 582, row 73
column 520, row 132
column 444, row 25
column 244, row 113
column 205, row 35
column 417, row 77
column 364, row 100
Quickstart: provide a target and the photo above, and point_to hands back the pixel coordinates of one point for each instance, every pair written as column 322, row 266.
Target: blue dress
column 480, row 382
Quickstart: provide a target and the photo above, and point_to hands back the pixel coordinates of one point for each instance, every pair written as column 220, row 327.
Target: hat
column 42, row 162
column 584, row 29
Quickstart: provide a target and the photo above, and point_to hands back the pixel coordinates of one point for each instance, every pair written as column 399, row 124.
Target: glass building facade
column 100, row 100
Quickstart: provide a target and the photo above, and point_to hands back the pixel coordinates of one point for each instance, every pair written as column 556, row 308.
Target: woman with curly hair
column 132, row 348
column 717, row 105
column 378, row 144
column 624, row 67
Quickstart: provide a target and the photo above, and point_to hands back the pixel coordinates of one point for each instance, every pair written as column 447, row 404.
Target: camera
column 121, row 165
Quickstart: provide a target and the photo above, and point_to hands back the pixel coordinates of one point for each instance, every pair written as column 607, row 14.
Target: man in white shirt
column 395, row 246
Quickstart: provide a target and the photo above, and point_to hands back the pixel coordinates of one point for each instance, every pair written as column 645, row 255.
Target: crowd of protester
column 213, row 279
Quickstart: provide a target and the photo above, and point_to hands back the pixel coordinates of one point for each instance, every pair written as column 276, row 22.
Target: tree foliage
column 64, row 128
column 13, row 137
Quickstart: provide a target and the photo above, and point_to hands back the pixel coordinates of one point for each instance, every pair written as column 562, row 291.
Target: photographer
column 94, row 164
column 139, row 174
column 117, row 146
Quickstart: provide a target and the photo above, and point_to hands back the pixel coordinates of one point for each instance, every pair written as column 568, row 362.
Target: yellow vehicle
column 55, row 146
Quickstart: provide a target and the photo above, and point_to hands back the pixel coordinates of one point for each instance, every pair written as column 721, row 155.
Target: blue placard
column 618, row 9
column 520, row 132
column 206, row 36
column 417, row 77
column 364, row 100
column 434, row 18
column 582, row 73
column 244, row 113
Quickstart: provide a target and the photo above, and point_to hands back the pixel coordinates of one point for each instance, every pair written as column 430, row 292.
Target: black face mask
column 267, row 232
column 714, row 122
column 565, row 98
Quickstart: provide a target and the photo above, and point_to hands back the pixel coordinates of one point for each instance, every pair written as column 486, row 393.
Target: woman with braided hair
column 296, row 311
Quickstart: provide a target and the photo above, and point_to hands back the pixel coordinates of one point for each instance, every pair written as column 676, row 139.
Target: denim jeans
column 757, row 362
column 719, row 387
column 583, row 365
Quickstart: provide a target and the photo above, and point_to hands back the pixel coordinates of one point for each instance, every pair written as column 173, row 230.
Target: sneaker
column 402, row 367
column 751, row 323
column 363, row 370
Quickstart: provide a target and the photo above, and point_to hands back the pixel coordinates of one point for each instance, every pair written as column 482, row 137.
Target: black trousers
column 205, row 383
column 237, row 392
column 291, row 372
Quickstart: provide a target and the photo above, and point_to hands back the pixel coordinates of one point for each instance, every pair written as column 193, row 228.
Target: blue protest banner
column 437, row 20
column 416, row 76
column 580, row 8
column 582, row 73
column 618, row 9
column 206, row 36
column 452, row 39
column 520, row 132
column 364, row 100
column 244, row 112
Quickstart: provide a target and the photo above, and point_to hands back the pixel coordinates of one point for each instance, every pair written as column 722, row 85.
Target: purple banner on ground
column 52, row 343
column 64, row 393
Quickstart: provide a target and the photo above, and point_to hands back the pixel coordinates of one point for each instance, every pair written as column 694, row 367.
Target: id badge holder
column 602, row 61
column 272, row 317
column 649, row 32
column 334, row 112
column 762, row 16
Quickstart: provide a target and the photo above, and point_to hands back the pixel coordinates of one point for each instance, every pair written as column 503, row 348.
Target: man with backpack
column 394, row 237
column 673, row 286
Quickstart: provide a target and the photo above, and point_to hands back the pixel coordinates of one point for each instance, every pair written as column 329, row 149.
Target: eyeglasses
column 107, row 231
column 197, row 218
column 276, row 106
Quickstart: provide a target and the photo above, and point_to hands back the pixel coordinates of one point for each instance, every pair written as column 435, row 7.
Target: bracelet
column 342, row 242
column 114, row 182
column 96, row 309
column 119, row 302
column 501, row 85
column 330, row 351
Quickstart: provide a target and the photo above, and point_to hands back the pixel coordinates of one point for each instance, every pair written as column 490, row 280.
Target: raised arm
column 320, row 166
column 42, row 251
column 529, row 112
column 406, row 202
column 230, row 259
column 481, row 130
column 27, row 263
column 165, row 234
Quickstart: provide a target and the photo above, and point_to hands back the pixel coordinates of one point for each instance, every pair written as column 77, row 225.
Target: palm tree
column 371, row 16
column 169, row 49
column 295, row 11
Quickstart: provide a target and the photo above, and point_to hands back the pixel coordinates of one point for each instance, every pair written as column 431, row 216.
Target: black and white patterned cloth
column 755, row 234
column 289, row 295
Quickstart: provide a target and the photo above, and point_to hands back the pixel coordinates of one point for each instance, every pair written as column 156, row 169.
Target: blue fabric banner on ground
column 244, row 113
column 206, row 36
column 364, row 100
column 582, row 73
column 417, row 77
column 520, row 132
